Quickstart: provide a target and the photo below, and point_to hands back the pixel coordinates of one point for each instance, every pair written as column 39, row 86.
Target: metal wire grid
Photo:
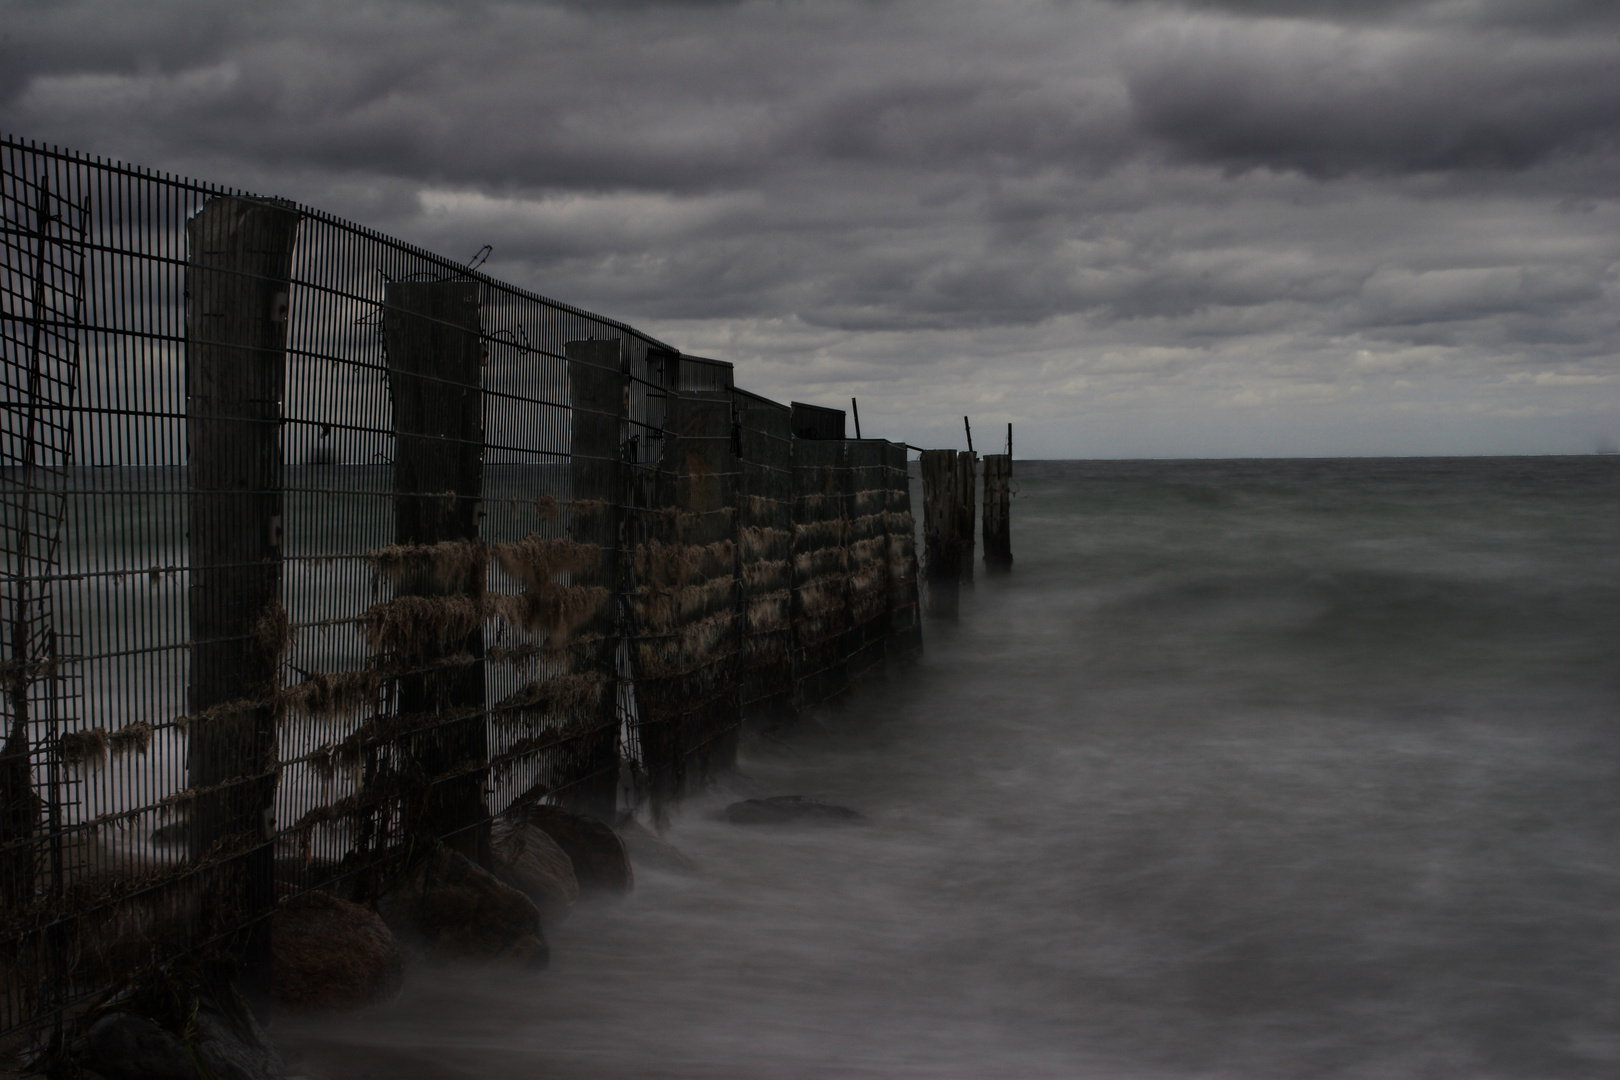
column 851, row 504
column 905, row 616
column 821, row 496
column 340, row 515
column 95, row 503
column 765, row 553
column 686, row 593
column 98, row 857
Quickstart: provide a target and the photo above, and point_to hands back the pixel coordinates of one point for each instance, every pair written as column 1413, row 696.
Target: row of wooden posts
column 950, row 480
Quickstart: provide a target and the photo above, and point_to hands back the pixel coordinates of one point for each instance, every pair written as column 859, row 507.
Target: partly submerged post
column 435, row 376
column 967, row 469
column 238, row 276
column 942, row 532
column 997, row 500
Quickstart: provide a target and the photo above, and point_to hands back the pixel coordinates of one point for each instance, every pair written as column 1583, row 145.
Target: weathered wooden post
column 435, row 378
column 238, row 277
column 821, row 615
column 868, row 560
column 690, row 618
column 967, row 470
column 598, row 396
column 765, row 558
column 905, row 627
column 942, row 532
column 997, row 503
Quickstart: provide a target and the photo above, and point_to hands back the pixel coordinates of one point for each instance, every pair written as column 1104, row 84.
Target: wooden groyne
column 325, row 551
column 949, row 503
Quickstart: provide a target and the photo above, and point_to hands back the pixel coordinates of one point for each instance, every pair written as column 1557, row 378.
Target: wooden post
column 905, row 625
column 765, row 546
column 687, row 689
column 967, row 469
column 942, row 532
column 997, row 500
column 435, row 378
column 821, row 614
column 868, row 543
column 598, row 396
column 238, row 277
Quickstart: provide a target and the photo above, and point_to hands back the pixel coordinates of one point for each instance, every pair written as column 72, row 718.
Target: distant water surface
column 1249, row 769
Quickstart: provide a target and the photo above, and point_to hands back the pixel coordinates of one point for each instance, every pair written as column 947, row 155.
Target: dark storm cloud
column 428, row 91
column 1127, row 205
column 1329, row 100
column 1519, row 12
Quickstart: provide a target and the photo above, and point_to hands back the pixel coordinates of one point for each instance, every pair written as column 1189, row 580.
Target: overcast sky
column 1231, row 227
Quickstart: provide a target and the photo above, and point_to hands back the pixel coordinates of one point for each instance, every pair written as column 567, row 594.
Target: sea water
column 1247, row 769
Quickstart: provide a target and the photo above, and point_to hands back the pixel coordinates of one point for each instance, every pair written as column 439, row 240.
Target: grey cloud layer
column 1165, row 203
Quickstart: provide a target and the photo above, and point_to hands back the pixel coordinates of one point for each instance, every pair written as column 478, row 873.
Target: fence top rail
column 16, row 144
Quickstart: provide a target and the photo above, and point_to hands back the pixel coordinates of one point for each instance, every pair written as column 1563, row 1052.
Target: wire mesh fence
column 318, row 544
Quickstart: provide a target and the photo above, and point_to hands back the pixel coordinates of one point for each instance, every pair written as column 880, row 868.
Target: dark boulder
column 124, row 1046
column 789, row 809
column 327, row 953
column 601, row 862
column 530, row 861
column 453, row 909
column 234, row 1047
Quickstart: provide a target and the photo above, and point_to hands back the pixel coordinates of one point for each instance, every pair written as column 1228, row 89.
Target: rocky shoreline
column 330, row 953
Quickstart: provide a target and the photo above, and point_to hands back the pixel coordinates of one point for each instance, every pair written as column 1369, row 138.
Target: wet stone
column 453, row 909
column 530, row 861
column 327, row 953
column 123, row 1046
column 601, row 861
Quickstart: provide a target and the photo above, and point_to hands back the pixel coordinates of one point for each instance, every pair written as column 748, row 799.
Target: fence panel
column 765, row 555
column 905, row 618
column 820, row 569
column 287, row 575
column 868, row 562
column 318, row 545
column 686, row 597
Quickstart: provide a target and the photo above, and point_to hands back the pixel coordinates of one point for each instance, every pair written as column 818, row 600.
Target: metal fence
column 317, row 543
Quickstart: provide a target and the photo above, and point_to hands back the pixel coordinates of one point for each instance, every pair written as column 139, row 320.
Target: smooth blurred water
column 1249, row 769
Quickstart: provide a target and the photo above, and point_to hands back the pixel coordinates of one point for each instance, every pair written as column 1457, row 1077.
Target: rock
column 457, row 910
column 601, row 863
column 235, row 1047
column 530, row 861
column 647, row 848
column 123, row 1046
column 327, row 953
column 788, row 809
